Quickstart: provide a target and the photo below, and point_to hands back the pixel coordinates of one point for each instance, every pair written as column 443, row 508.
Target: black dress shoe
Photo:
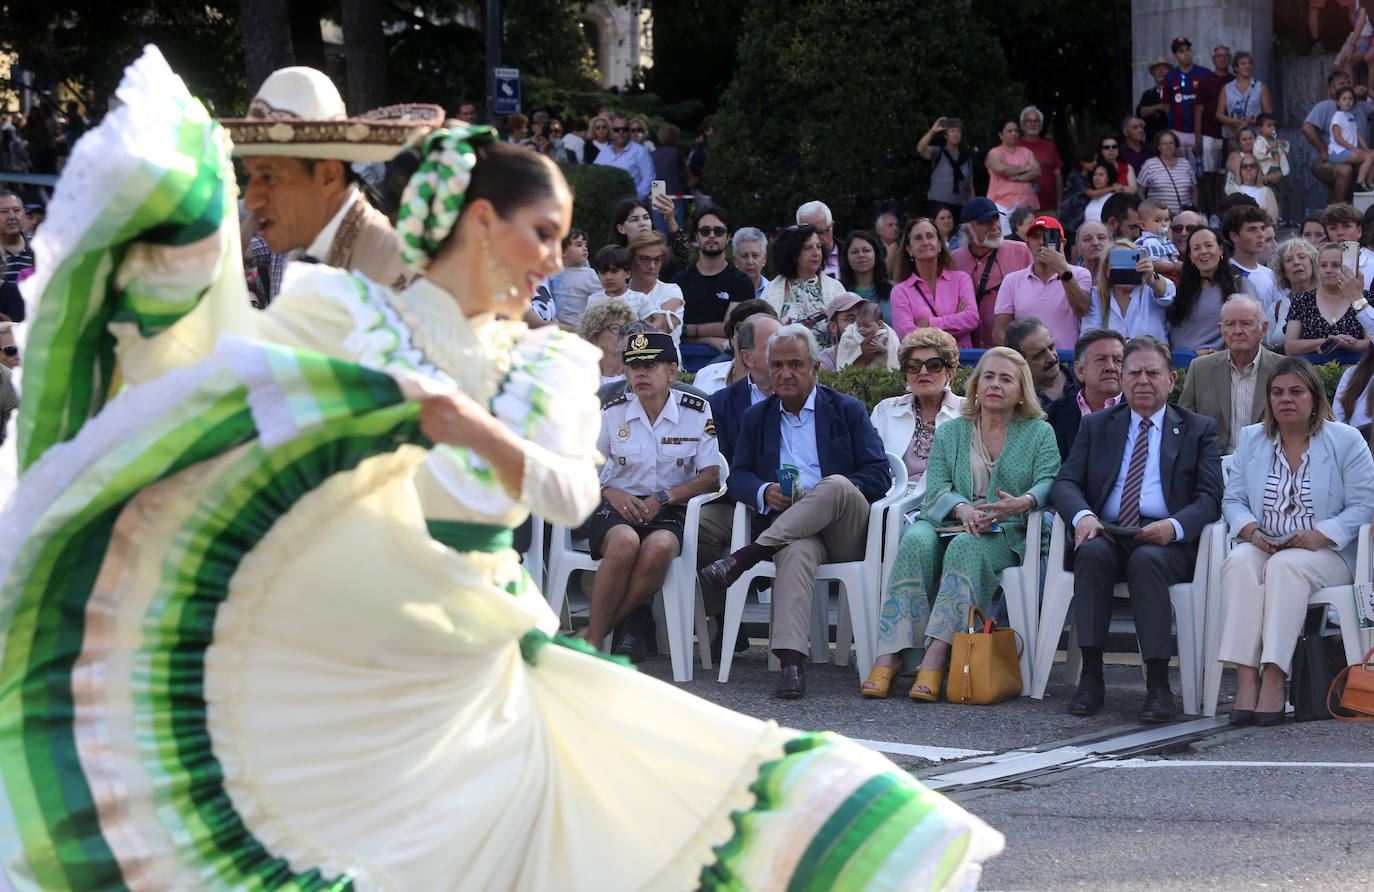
column 1269, row 719
column 722, row 573
column 1159, row 706
column 1088, row 699
column 1242, row 716
column 792, row 684
column 741, row 641
column 632, row 646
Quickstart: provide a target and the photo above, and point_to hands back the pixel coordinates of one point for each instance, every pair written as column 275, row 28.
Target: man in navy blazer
column 728, row 406
column 1149, row 465
column 828, row 437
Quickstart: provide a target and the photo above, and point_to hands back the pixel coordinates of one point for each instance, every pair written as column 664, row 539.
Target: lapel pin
column 1175, row 430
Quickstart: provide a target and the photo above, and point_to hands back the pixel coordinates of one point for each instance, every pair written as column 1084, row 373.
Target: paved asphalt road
column 1214, row 809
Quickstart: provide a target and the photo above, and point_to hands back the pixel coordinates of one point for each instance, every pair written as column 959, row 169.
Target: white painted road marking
column 931, row 753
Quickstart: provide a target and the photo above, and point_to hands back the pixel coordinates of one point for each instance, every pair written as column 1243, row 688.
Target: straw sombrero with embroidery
column 298, row 112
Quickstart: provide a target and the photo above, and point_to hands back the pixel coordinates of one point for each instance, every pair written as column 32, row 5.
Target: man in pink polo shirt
column 988, row 260
column 1051, row 288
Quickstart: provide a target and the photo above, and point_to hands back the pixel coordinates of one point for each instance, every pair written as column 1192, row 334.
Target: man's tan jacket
column 368, row 244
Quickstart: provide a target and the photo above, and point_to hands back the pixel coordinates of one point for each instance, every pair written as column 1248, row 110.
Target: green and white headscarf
column 433, row 198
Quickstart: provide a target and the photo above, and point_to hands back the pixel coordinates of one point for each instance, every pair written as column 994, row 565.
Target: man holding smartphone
column 1051, row 288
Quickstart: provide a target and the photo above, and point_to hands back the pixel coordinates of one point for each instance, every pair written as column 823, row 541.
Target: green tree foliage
column 87, row 45
column 694, row 53
column 830, row 97
column 543, row 38
column 1075, row 60
column 596, row 189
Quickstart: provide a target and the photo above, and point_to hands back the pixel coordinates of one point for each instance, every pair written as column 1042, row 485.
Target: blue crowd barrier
column 1183, row 358
column 695, row 356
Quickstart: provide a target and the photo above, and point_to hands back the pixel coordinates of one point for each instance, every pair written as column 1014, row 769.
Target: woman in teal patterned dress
column 992, row 466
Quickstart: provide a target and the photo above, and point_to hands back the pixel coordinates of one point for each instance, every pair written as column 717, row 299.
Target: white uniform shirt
column 643, row 458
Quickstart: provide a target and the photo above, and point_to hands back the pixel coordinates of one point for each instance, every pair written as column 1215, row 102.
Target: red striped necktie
column 1135, row 477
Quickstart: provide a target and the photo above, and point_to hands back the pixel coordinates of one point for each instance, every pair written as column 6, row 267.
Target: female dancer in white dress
column 263, row 627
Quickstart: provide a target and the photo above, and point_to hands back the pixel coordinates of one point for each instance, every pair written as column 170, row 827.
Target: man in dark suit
column 727, row 409
column 1097, row 364
column 729, row 404
column 1145, row 465
column 829, row 439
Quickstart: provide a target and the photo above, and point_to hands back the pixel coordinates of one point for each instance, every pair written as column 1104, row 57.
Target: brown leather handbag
column 1353, row 689
column 984, row 665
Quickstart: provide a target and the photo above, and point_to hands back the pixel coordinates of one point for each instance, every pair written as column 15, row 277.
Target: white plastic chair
column 1342, row 597
column 1020, row 583
column 679, row 588
column 862, row 585
column 1189, row 601
column 533, row 560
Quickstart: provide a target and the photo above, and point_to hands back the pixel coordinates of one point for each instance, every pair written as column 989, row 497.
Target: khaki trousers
column 829, row 525
column 713, row 543
column 1264, row 600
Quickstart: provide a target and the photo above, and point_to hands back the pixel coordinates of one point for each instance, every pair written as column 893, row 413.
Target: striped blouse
column 1288, row 496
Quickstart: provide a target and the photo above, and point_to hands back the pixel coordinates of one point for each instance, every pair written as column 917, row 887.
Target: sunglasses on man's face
column 711, row 230
column 617, row 129
column 915, row 366
column 11, row 350
column 1190, row 228
column 1108, row 146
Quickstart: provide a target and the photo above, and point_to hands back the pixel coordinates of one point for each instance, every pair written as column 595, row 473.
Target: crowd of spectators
column 1160, row 238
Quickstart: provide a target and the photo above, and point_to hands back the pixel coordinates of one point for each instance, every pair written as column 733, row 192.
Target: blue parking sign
column 506, row 90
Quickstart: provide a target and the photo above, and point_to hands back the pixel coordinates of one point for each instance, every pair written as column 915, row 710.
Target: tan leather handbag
column 1353, row 688
column 984, row 665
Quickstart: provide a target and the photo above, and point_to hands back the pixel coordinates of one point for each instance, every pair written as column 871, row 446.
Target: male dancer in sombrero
column 256, row 636
column 298, row 147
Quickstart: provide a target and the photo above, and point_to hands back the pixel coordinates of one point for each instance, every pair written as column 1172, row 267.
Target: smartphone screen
column 1350, row 256
column 1122, row 269
column 1052, row 239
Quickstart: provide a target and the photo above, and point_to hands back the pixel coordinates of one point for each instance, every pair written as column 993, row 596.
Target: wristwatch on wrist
column 1359, row 305
column 662, row 496
column 1066, row 275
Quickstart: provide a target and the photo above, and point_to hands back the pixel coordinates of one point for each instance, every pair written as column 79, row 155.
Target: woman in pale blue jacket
column 1301, row 485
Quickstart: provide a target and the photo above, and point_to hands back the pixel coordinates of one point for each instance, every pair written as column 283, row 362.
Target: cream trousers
column 1264, row 600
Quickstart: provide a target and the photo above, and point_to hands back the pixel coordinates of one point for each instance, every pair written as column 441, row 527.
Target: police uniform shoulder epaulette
column 616, row 400
column 693, row 402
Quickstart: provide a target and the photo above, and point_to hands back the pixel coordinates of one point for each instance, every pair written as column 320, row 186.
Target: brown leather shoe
column 792, row 683
column 722, row 573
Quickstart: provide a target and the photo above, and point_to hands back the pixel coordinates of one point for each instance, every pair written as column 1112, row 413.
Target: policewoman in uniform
column 660, row 449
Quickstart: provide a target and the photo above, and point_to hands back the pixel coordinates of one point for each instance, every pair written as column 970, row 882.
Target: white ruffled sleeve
column 550, row 399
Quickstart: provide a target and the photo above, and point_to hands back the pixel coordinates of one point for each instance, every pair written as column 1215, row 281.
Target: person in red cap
column 1051, row 288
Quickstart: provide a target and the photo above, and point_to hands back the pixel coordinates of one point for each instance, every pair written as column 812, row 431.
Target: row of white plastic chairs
column 1038, row 618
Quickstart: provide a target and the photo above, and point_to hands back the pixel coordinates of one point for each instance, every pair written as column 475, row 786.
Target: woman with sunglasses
column 984, row 472
column 600, row 138
column 648, row 252
column 1249, row 183
column 1109, row 152
column 633, row 216
column 639, row 132
column 600, row 326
